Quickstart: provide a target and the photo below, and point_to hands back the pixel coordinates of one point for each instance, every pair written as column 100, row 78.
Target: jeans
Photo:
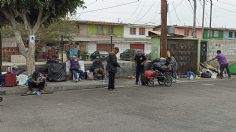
column 139, row 71
column 222, row 68
column 76, row 74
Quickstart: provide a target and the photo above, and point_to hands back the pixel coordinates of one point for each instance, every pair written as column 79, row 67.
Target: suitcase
column 10, row 80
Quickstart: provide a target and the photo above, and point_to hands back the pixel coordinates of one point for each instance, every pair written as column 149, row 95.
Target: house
column 182, row 30
column 98, row 35
column 220, row 33
column 136, row 37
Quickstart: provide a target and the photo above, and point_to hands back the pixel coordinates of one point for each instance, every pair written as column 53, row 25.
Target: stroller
column 160, row 71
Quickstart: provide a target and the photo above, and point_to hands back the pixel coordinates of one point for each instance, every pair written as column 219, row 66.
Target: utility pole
column 194, row 18
column 203, row 17
column 62, row 47
column 111, row 43
column 210, row 33
column 163, row 28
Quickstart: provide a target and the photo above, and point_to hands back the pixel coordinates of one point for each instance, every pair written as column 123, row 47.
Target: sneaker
column 43, row 91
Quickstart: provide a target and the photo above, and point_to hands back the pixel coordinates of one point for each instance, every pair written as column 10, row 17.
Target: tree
column 33, row 14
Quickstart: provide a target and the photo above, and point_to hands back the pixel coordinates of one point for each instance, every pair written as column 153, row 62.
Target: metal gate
column 185, row 51
column 203, row 51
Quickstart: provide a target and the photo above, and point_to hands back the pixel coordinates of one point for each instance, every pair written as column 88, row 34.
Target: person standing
column 223, row 63
column 140, row 59
column 112, row 65
column 174, row 65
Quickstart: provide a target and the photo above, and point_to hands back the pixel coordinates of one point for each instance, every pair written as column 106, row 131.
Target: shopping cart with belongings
column 161, row 72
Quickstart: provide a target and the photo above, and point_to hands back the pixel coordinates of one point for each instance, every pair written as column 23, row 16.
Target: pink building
column 183, row 30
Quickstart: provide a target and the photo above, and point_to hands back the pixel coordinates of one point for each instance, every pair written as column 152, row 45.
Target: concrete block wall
column 228, row 48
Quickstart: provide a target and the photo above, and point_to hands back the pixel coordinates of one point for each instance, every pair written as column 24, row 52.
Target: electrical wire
column 89, row 4
column 148, row 10
column 192, row 10
column 176, row 14
column 110, row 7
column 134, row 11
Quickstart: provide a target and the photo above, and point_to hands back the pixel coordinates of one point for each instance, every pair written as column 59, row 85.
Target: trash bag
column 206, row 74
column 57, row 72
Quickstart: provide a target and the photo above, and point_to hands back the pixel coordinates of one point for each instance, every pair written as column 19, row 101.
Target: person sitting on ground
column 223, row 63
column 98, row 68
column 36, row 81
column 75, row 69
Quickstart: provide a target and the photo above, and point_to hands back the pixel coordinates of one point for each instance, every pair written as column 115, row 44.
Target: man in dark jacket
column 140, row 60
column 112, row 65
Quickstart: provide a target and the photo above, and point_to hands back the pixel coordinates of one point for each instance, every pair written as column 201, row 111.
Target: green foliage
column 52, row 8
column 57, row 29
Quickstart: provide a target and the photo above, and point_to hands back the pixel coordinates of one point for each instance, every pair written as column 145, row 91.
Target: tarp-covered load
column 57, row 72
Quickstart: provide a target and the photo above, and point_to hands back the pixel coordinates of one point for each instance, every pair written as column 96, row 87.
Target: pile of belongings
column 208, row 71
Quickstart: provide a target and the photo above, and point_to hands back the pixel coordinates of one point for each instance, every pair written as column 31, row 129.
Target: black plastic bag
column 57, row 72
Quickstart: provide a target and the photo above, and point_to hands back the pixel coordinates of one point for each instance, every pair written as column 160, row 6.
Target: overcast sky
column 148, row 11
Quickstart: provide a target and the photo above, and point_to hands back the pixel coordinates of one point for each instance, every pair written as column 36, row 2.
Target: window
column 235, row 34
column 186, row 32
column 111, row 30
column 100, row 29
column 215, row 33
column 133, row 31
column 230, row 34
column 141, row 31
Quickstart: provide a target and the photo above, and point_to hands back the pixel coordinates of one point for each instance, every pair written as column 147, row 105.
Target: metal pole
column 0, row 51
column 194, row 19
column 163, row 27
column 62, row 47
column 111, row 43
column 203, row 17
column 210, row 19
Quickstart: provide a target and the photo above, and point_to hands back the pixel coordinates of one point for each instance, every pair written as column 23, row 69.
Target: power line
column 176, row 14
column 110, row 7
column 178, row 5
column 193, row 9
column 134, row 11
column 149, row 9
column 225, row 9
column 140, row 11
column 89, row 4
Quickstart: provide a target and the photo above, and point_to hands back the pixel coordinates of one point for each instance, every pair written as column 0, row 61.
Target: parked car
column 101, row 54
column 129, row 54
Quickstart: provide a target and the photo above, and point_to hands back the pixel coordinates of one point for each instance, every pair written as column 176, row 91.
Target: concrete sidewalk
column 92, row 84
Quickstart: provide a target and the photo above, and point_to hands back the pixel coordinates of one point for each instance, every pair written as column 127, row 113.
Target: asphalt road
column 185, row 107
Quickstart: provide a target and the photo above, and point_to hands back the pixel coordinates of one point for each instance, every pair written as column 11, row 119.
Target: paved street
column 185, row 107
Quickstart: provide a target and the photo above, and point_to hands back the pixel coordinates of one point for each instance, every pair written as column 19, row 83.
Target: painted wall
column 220, row 35
column 155, row 48
column 91, row 47
column 128, row 35
column 122, row 46
column 83, row 30
column 228, row 48
column 179, row 30
column 118, row 30
column 226, row 35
